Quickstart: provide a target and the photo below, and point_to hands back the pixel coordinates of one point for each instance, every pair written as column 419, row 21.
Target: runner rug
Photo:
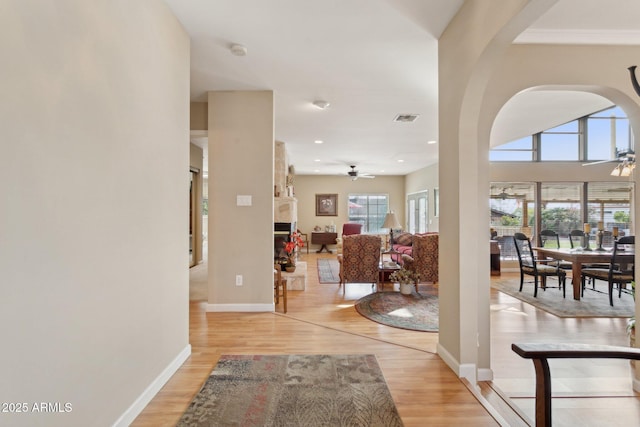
column 592, row 304
column 417, row 312
column 293, row 390
column 328, row 270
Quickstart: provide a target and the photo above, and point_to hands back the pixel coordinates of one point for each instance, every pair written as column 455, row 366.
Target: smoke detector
column 321, row 104
column 238, row 50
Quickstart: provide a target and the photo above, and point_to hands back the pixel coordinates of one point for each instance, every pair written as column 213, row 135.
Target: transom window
column 598, row 136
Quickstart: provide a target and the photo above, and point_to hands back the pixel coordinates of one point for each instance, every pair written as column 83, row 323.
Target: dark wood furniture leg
column 540, row 352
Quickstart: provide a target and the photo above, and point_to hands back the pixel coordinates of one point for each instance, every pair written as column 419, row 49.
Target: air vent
column 406, row 118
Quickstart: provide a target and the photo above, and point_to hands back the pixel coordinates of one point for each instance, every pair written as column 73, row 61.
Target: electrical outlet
column 238, row 279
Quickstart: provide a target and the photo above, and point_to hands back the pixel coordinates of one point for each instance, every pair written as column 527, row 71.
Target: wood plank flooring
column 426, row 392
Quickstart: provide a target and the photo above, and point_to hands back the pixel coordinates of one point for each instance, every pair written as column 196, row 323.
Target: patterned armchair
column 360, row 259
column 424, row 257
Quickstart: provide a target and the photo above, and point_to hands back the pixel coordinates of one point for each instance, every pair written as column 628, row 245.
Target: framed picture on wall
column 326, row 205
column 436, row 202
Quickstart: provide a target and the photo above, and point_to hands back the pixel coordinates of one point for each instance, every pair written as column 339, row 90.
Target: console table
column 323, row 239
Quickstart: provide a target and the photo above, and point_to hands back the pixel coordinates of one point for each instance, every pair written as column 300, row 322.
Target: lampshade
column 623, row 169
column 390, row 221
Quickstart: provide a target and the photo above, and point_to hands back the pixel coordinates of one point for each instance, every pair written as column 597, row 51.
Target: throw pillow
column 403, row 239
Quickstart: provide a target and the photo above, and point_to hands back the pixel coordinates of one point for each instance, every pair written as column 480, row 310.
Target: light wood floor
column 321, row 320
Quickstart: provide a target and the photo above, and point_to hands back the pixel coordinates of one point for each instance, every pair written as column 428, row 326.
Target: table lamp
column 391, row 222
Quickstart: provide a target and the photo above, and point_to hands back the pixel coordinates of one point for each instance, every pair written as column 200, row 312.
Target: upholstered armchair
column 348, row 229
column 360, row 259
column 424, row 257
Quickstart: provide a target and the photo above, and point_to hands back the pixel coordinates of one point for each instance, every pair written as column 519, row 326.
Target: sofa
column 417, row 252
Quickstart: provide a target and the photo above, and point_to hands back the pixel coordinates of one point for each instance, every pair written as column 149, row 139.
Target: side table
column 324, row 239
column 385, row 267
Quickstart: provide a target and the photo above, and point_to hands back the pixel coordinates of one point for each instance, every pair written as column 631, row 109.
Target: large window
column 610, row 204
column 562, row 207
column 369, row 210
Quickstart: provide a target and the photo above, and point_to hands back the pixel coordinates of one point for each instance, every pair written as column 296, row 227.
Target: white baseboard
column 485, row 374
column 143, row 400
column 465, row 370
column 242, row 307
column 448, row 359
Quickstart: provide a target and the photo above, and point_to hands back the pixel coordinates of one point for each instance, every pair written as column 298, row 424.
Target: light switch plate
column 243, row 200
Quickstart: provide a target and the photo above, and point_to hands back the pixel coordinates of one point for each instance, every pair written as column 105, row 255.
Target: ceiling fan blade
column 367, row 176
column 600, row 162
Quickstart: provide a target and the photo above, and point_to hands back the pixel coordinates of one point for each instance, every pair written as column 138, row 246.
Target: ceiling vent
column 406, row 118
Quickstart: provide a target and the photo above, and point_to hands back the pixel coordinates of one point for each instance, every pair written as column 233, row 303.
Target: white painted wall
column 93, row 219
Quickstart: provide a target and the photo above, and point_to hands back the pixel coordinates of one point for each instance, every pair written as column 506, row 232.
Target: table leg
column 323, row 247
column 576, row 272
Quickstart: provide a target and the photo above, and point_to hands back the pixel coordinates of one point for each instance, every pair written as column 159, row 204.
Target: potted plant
column 406, row 279
column 290, row 248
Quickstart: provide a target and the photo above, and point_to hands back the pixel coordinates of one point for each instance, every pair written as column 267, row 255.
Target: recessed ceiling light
column 316, row 170
column 400, row 161
column 317, row 141
column 432, row 142
column 238, row 50
column 321, row 104
column 316, row 160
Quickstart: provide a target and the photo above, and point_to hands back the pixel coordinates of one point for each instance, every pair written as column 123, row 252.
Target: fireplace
column 281, row 234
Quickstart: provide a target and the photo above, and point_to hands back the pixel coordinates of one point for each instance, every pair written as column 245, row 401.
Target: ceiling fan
column 505, row 194
column 354, row 174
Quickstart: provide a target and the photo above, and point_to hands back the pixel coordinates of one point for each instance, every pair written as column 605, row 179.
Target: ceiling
column 371, row 60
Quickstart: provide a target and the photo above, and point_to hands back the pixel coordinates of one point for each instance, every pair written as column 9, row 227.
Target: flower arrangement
column 291, row 246
column 404, row 276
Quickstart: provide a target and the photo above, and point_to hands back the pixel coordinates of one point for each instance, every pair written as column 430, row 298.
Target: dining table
column 578, row 257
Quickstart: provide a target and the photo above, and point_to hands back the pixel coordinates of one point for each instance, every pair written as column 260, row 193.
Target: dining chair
column 576, row 239
column 531, row 266
column 617, row 273
column 551, row 239
column 360, row 259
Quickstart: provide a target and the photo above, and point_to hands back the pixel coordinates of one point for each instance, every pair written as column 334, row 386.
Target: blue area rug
column 328, row 270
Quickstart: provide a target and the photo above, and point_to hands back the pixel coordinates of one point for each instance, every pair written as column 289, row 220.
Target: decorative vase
column 290, row 268
column 406, row 288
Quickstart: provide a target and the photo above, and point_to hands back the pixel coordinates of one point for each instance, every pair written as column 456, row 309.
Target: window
column 597, row 136
column 607, row 132
column 561, row 143
column 610, row 204
column 561, row 209
column 417, row 212
column 369, row 210
column 520, row 150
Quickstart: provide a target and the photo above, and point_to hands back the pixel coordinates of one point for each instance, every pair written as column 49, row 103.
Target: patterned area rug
column 293, row 390
column 592, row 304
column 414, row 312
column 328, row 270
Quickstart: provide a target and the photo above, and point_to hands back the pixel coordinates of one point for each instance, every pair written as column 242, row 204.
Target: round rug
column 417, row 312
